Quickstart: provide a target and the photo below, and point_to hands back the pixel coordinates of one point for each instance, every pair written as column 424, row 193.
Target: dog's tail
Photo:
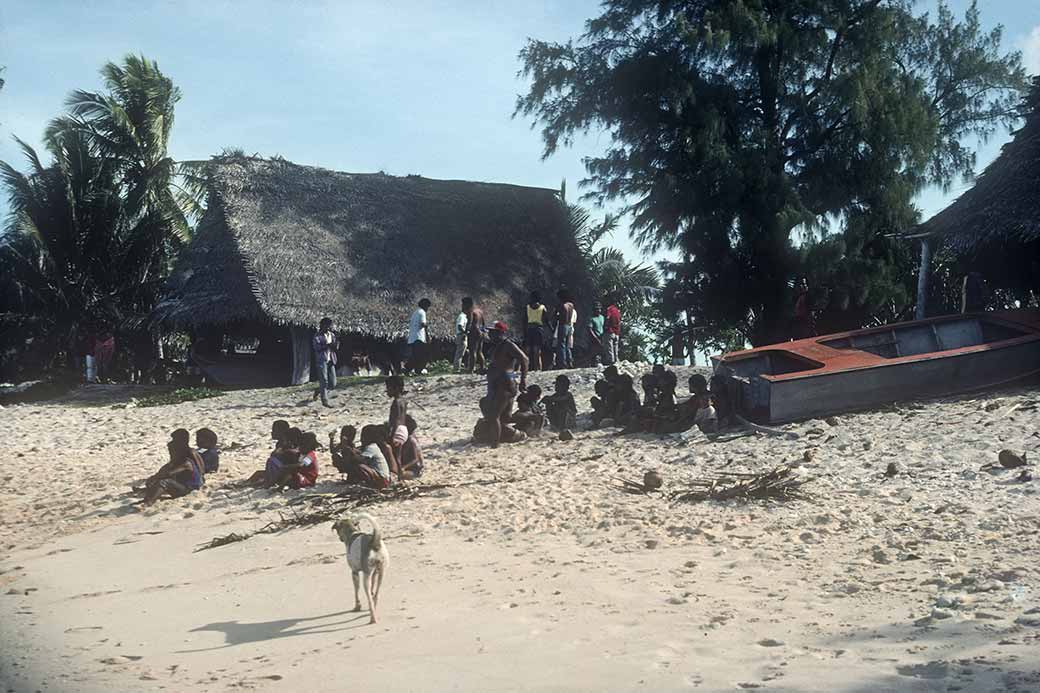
column 377, row 538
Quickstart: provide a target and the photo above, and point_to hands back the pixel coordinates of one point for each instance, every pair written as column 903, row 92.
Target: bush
column 183, row 394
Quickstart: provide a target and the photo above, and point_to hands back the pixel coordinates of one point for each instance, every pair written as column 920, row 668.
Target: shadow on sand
column 236, row 633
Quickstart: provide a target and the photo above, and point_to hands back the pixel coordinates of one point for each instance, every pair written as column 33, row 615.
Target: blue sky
column 402, row 87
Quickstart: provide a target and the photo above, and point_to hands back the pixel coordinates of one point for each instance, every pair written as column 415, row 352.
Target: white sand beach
column 552, row 579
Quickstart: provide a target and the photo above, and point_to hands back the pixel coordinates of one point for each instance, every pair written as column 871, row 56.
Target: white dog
column 366, row 553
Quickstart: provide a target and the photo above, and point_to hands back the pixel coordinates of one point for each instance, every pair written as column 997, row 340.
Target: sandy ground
column 552, row 579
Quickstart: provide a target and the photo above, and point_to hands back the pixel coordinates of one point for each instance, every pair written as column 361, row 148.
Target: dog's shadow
column 236, row 633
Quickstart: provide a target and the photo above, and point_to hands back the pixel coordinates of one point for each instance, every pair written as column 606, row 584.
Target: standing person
column 325, row 344
column 418, row 339
column 104, row 351
column 595, row 333
column 502, row 387
column 802, row 312
column 973, row 293
column 477, row 328
column 534, row 326
column 461, row 330
column 564, row 330
column 612, row 326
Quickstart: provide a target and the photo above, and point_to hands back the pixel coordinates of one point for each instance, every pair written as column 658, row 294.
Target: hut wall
column 300, row 363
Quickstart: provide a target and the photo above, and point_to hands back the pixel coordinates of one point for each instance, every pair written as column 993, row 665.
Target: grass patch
column 183, row 394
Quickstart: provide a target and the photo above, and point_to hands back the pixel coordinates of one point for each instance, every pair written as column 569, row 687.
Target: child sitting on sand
column 206, row 446
column 529, row 416
column 626, row 400
column 649, row 384
column 368, row 466
column 411, row 460
column 286, row 451
column 601, row 402
column 180, row 476
column 341, row 451
column 560, row 407
column 302, row 473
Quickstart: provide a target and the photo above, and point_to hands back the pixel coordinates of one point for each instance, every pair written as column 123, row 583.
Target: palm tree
column 74, row 251
column 132, row 123
column 611, row 273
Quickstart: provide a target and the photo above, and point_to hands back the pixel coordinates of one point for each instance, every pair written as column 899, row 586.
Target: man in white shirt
column 418, row 339
column 461, row 332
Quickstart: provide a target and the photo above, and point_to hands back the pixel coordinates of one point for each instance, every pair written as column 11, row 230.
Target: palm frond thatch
column 291, row 244
column 1004, row 204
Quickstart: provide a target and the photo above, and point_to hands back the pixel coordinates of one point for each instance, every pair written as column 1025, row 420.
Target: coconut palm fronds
column 782, row 483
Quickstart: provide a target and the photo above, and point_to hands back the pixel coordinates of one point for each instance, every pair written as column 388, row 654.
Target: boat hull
column 810, row 378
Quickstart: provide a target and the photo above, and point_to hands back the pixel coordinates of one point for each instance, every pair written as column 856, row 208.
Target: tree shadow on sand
column 236, row 633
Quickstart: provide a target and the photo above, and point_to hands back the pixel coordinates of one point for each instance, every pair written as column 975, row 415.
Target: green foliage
column 184, row 394
column 442, row 367
column 733, row 124
column 634, row 288
column 92, row 233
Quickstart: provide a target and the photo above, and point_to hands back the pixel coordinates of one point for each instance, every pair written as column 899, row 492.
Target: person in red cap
column 502, row 387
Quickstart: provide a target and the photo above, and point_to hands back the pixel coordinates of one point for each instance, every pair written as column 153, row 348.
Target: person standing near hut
column 564, row 330
column 419, row 339
column 477, row 329
column 534, row 336
column 325, row 344
column 612, row 327
column 461, row 336
column 973, row 293
column 803, row 328
column 595, row 333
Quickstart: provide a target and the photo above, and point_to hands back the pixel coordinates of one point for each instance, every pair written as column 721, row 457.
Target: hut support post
column 922, row 277
column 300, row 366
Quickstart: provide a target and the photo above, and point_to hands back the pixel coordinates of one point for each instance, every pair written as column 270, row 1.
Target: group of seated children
column 615, row 399
column 292, row 463
column 532, row 412
column 659, row 411
column 187, row 467
column 386, row 450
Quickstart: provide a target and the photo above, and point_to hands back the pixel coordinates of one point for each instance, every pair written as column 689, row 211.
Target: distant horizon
column 429, row 91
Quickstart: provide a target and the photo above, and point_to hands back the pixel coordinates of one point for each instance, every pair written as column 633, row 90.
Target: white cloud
column 1031, row 51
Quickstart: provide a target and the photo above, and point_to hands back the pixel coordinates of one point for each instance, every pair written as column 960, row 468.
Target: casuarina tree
column 734, row 124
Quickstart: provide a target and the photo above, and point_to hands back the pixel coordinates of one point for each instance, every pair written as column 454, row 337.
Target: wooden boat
column 864, row 368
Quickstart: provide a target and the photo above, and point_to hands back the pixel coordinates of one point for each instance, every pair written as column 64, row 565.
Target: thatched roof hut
column 286, row 244
column 1004, row 203
column 995, row 225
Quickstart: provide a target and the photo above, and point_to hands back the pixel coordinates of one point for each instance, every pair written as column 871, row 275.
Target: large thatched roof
column 1004, row 204
column 290, row 244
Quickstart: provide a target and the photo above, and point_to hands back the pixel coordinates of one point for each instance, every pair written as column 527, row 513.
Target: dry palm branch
column 332, row 506
column 782, row 483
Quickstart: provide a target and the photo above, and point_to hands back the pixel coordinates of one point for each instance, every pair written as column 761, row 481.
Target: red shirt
column 308, row 475
column 612, row 323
